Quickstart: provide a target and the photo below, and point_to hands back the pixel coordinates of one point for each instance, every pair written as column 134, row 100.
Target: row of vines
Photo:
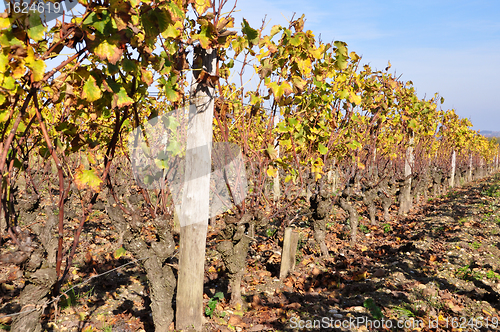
column 319, row 129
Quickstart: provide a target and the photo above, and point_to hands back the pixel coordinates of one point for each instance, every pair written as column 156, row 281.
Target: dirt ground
column 436, row 269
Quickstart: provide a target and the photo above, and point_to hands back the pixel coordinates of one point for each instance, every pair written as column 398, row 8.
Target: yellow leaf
column 201, row 6
column 84, row 178
column 5, row 22
column 272, row 172
column 146, row 76
column 109, row 50
column 355, row 98
column 36, row 65
column 361, row 276
column 91, row 91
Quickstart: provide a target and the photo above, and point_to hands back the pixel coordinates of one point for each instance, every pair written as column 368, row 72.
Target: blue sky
column 450, row 47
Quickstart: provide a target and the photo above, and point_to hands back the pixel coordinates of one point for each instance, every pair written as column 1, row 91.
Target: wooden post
column 481, row 167
column 194, row 210
column 453, row 168
column 469, row 177
column 405, row 195
column 290, row 242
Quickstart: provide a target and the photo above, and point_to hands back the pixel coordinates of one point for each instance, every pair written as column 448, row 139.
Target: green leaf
column 9, row 83
column 341, row 47
column 204, row 36
column 102, row 24
column 129, row 65
column 322, row 149
column 171, row 32
column 271, row 151
column 294, row 122
column 91, row 91
column 109, row 50
column 172, row 123
column 280, row 90
column 174, row 147
column 169, row 88
column 121, row 99
column 7, row 39
column 4, row 115
column 354, row 145
column 282, row 128
column 85, row 178
column 176, row 13
column 36, row 65
column 343, row 94
column 119, row 252
column 295, row 40
column 251, row 34
column 373, row 308
column 36, row 30
column 4, row 61
column 274, row 30
column 163, row 20
column 412, row 124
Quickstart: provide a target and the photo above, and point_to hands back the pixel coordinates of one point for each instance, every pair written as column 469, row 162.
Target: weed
column 375, row 311
column 298, row 257
column 209, row 310
column 462, row 221
column 465, row 273
column 439, row 229
column 364, row 229
column 271, row 231
column 403, row 312
column 387, row 228
column 475, row 245
column 71, row 298
column 492, row 191
column 492, row 275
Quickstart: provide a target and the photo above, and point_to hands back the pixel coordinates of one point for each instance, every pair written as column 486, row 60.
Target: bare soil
column 436, row 269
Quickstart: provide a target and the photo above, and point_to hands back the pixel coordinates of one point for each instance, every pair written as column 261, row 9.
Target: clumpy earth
column 435, row 269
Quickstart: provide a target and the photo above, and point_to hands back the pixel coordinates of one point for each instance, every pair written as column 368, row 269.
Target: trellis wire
column 57, row 298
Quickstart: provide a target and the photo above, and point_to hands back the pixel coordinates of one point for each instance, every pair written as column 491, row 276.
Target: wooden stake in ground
column 453, row 167
column 405, row 203
column 194, row 211
column 290, row 242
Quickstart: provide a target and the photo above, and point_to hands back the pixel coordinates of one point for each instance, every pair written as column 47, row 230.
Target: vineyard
column 211, row 205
